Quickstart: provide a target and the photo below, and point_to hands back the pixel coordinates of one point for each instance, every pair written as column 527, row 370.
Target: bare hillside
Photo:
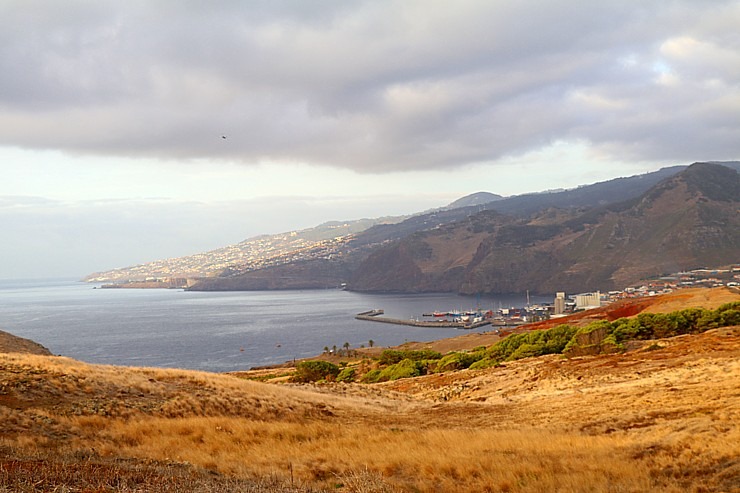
column 14, row 344
column 662, row 416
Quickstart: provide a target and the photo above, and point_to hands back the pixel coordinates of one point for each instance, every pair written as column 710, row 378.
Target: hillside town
column 249, row 255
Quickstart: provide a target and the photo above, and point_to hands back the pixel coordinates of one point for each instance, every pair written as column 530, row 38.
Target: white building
column 559, row 303
column 586, row 301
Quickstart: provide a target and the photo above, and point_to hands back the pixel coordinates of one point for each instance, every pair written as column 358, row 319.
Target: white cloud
column 334, row 110
column 370, row 86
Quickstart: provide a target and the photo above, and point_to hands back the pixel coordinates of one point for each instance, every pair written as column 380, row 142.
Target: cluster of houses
column 707, row 278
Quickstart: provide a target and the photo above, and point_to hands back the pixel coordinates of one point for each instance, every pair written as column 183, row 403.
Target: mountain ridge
column 330, row 254
column 673, row 226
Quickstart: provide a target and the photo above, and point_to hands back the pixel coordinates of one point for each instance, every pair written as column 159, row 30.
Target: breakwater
column 375, row 316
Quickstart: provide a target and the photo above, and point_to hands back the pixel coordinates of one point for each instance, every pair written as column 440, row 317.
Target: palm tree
column 371, row 343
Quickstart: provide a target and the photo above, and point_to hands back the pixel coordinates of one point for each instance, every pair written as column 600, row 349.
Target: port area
column 376, row 316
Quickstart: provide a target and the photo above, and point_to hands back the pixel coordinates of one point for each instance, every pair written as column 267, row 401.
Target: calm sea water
column 212, row 331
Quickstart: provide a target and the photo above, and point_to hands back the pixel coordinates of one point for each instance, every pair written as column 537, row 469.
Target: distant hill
column 685, row 221
column 336, row 253
column 474, row 199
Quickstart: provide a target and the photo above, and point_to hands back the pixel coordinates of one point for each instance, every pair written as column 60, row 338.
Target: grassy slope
column 14, row 344
column 661, row 416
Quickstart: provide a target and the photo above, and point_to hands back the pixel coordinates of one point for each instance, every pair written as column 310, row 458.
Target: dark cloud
column 372, row 86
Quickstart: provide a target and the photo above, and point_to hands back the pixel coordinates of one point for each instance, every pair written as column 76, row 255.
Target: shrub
column 555, row 339
column 458, row 361
column 372, row 376
column 728, row 314
column 729, row 317
column 346, row 375
column 313, row 371
column 406, row 368
column 526, row 351
column 625, row 329
column 611, row 344
column 692, row 316
column 393, row 356
column 537, row 343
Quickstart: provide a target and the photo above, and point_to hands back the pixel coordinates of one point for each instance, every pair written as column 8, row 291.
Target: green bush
column 526, row 351
column 406, row 368
column 346, row 375
column 458, row 361
column 723, row 316
column 555, row 339
column 733, row 305
column 536, row 343
column 313, row 371
column 611, row 340
column 730, row 317
column 625, row 329
column 393, row 356
column 692, row 316
column 372, row 376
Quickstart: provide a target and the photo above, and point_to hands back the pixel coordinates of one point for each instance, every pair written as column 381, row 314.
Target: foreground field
column 661, row 416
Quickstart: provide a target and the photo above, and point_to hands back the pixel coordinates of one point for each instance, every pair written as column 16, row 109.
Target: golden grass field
column 663, row 416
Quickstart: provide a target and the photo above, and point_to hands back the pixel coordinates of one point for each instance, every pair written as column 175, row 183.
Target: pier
column 375, row 316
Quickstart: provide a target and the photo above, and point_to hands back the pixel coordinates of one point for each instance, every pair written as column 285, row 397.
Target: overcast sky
column 137, row 130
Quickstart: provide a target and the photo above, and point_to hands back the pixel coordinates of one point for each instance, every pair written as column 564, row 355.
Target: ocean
column 221, row 331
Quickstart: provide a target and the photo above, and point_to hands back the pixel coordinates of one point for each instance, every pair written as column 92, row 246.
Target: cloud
column 371, row 86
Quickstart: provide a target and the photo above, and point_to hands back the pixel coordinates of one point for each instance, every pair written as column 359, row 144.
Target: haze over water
column 221, row 331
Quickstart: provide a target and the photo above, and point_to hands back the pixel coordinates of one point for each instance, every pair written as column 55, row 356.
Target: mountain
column 474, row 199
column 595, row 195
column 336, row 253
column 685, row 221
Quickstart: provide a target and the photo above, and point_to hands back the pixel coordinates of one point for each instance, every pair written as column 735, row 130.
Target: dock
column 375, row 316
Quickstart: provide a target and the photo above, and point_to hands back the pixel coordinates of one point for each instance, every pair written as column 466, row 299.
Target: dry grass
column 663, row 419
column 81, row 472
column 14, row 344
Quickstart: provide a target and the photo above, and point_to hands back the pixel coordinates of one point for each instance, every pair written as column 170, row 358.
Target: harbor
column 439, row 321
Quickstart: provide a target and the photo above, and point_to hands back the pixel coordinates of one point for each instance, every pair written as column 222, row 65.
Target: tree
column 346, row 347
column 371, row 343
column 312, row 371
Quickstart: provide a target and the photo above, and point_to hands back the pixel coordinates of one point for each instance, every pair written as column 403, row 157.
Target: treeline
column 598, row 337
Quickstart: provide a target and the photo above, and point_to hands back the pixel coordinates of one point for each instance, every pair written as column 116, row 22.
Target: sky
column 139, row 130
